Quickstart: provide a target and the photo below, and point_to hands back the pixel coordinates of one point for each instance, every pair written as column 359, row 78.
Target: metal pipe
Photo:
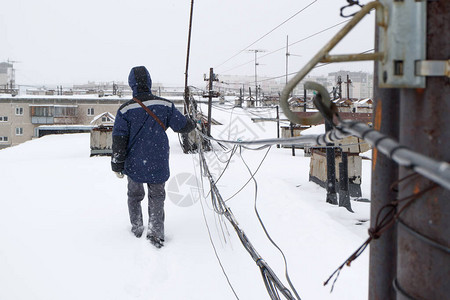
column 318, row 57
column 351, row 57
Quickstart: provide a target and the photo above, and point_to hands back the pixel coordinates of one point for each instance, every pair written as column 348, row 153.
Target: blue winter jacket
column 140, row 144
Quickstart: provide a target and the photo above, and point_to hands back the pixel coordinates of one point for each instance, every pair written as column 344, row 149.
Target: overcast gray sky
column 70, row 42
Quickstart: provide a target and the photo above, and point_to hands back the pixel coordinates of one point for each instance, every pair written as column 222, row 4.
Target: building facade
column 360, row 87
column 21, row 116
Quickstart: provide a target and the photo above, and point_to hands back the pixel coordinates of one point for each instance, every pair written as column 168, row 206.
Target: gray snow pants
column 156, row 196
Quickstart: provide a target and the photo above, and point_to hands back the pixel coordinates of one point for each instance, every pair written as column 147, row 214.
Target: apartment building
column 360, row 87
column 21, row 115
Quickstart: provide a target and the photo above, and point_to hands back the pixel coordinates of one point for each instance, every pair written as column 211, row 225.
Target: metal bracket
column 433, row 68
column 403, row 42
column 324, row 56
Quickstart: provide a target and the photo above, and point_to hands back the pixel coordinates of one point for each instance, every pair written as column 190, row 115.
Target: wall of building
column 19, row 127
column 20, row 124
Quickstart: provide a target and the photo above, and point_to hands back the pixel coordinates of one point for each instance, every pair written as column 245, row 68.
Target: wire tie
column 379, row 141
column 373, row 233
column 391, row 153
column 422, row 237
column 401, row 291
column 363, row 136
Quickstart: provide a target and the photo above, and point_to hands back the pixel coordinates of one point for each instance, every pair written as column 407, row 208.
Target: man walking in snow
column 141, row 151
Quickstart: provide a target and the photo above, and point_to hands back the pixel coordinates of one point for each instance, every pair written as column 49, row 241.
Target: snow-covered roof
column 105, row 114
column 364, row 101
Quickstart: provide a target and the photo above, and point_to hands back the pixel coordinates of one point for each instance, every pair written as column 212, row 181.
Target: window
column 19, row 131
column 42, row 111
column 65, row 111
column 4, row 119
column 106, row 119
column 19, row 111
column 90, row 112
column 3, row 139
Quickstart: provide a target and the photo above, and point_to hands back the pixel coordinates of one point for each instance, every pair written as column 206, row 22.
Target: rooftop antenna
column 256, row 65
column 13, row 73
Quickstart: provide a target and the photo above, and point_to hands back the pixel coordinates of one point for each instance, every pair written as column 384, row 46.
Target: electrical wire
column 262, row 223
column 215, row 250
column 272, row 283
column 248, row 181
column 278, row 26
column 283, row 48
column 318, row 66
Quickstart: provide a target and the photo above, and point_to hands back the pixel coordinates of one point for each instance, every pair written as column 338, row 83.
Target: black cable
column 226, row 166
column 318, row 66
column 265, row 34
column 283, row 48
column 422, row 237
column 211, row 240
column 264, row 227
column 221, row 208
column 401, row 291
column 257, row 169
column 215, row 252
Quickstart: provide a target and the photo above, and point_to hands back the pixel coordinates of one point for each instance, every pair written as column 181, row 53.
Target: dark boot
column 137, row 230
column 157, row 242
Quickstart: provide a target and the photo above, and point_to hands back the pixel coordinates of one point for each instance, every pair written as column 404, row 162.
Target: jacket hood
column 140, row 81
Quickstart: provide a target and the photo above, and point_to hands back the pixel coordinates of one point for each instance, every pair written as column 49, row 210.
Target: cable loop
column 373, row 233
column 350, row 4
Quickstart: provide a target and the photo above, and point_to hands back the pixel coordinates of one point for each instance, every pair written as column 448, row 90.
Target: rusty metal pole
column 210, row 95
column 423, row 259
column 383, row 251
column 331, row 169
column 291, row 126
column 344, row 196
column 278, row 124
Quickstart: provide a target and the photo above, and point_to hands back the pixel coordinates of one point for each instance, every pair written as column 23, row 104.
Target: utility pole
column 411, row 260
column 185, row 143
column 287, row 58
column 256, row 76
column 423, row 230
column 383, row 251
column 211, row 94
column 348, row 82
column 186, row 73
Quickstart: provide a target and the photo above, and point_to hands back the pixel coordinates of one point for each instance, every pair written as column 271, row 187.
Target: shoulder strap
column 150, row 113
